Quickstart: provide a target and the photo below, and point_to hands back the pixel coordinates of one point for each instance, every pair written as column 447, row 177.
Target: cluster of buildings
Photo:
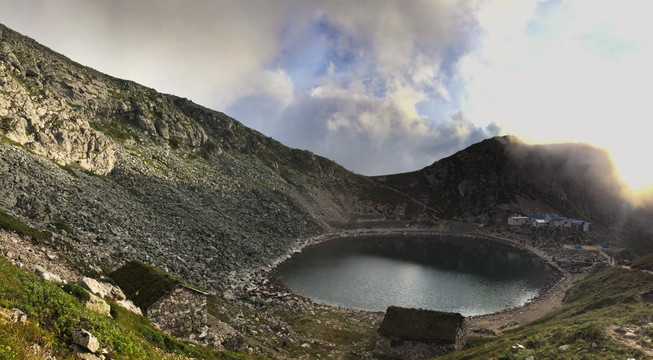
column 538, row 220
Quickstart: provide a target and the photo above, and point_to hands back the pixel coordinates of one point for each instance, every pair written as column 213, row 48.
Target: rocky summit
column 117, row 171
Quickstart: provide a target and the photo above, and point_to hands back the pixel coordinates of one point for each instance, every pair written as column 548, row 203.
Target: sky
column 381, row 86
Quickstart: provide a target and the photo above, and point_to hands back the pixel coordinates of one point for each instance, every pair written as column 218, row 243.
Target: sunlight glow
column 567, row 71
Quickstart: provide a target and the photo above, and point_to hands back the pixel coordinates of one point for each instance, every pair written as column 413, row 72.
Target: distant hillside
column 498, row 177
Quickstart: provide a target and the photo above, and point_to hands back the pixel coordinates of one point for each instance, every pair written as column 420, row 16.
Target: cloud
column 373, row 84
column 376, row 91
column 373, row 135
column 213, row 52
column 554, row 71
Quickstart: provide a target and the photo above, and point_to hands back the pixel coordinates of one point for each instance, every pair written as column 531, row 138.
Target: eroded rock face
column 34, row 113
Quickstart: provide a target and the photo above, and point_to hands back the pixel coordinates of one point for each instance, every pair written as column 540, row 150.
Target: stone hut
column 175, row 307
column 420, row 334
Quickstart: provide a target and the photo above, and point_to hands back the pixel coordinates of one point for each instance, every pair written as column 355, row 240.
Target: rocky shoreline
column 284, row 315
column 264, row 284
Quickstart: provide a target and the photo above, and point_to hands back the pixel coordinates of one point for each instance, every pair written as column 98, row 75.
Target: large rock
column 32, row 71
column 17, row 316
column 105, row 290
column 129, row 305
column 87, row 356
column 86, row 339
column 98, row 305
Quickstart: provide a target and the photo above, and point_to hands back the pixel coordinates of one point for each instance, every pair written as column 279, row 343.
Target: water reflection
column 449, row 274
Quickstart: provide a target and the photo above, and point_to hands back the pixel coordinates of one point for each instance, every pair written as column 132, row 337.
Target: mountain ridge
column 134, row 174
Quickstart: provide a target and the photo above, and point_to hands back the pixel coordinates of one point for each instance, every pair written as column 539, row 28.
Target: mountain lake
column 471, row 276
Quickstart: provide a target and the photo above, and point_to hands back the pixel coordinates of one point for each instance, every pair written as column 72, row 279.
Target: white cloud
column 369, row 83
column 566, row 71
column 213, row 52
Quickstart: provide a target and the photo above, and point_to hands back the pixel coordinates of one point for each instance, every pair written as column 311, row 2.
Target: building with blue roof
column 540, row 220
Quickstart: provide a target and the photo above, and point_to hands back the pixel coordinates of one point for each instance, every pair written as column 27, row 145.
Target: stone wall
column 180, row 311
column 415, row 350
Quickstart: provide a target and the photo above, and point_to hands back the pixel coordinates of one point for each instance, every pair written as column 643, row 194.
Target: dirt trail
column 496, row 324
column 545, row 303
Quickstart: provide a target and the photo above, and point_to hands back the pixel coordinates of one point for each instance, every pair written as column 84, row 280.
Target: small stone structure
column 180, row 311
column 173, row 306
column 415, row 334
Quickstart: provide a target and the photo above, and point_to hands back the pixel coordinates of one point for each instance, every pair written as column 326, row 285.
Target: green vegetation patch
column 77, row 291
column 117, row 130
column 643, row 263
column 63, row 226
column 421, row 325
column 347, row 333
column 53, row 313
column 608, row 285
column 579, row 330
column 142, row 283
column 71, row 168
column 7, row 124
column 10, row 223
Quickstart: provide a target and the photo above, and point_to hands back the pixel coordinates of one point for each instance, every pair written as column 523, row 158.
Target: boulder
column 32, row 71
column 104, row 289
column 86, row 339
column 228, row 295
column 87, row 356
column 17, row 316
column 98, row 305
column 129, row 305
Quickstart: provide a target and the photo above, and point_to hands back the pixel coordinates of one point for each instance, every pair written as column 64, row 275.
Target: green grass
column 117, row 130
column 7, row 124
column 643, row 263
column 72, row 167
column 607, row 286
column 77, row 291
column 53, row 314
column 335, row 331
column 603, row 299
column 10, row 223
column 63, row 226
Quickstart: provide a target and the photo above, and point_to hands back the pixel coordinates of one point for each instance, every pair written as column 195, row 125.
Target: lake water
column 455, row 274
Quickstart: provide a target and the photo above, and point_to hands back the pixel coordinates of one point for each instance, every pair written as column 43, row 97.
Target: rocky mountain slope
column 498, row 177
column 118, row 171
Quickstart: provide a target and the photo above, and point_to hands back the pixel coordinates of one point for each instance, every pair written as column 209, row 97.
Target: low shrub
column 77, row 291
column 10, row 223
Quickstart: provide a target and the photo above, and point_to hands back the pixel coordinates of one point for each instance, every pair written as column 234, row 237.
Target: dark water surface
column 456, row 274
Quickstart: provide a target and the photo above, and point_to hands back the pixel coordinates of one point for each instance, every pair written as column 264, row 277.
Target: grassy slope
column 602, row 300
column 53, row 314
column 643, row 263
